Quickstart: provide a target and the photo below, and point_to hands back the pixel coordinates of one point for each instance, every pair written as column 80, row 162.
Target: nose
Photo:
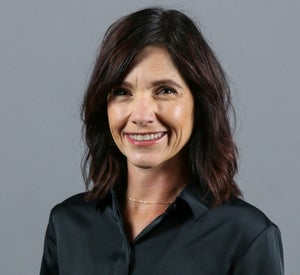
column 143, row 110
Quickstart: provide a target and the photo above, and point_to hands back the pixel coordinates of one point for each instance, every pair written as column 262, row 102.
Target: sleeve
column 49, row 265
column 264, row 256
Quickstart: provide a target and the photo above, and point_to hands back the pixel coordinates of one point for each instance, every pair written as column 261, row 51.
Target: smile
column 146, row 137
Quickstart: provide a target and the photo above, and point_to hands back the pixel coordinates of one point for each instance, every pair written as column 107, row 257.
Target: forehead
column 153, row 62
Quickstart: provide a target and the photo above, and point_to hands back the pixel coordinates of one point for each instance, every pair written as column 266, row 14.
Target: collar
column 194, row 198
column 191, row 195
column 110, row 198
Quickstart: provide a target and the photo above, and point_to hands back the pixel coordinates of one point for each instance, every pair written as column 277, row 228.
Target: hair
column 212, row 153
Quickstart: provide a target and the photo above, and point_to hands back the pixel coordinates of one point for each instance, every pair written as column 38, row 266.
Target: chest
column 166, row 246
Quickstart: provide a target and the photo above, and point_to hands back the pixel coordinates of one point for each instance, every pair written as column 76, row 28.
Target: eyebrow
column 156, row 83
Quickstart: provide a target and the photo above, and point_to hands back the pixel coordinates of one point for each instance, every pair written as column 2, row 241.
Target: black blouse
column 190, row 238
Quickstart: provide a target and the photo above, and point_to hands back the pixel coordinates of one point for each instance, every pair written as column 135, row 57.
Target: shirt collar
column 195, row 199
column 191, row 195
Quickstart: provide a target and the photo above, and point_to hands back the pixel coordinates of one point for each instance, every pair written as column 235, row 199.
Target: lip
column 146, row 138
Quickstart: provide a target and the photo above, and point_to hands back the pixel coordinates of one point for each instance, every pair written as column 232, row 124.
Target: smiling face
column 151, row 113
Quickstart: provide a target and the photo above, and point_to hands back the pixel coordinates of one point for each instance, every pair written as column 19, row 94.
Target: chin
column 144, row 164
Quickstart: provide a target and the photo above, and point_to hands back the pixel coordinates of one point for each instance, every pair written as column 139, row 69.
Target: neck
column 159, row 184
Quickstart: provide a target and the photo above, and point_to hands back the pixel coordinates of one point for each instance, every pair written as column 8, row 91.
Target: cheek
column 183, row 116
column 113, row 121
column 115, row 117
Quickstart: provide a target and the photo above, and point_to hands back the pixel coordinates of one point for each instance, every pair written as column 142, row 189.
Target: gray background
column 47, row 51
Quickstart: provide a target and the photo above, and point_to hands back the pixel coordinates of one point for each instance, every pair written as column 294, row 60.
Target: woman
column 160, row 164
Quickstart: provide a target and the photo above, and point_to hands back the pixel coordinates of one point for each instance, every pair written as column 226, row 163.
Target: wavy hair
column 212, row 153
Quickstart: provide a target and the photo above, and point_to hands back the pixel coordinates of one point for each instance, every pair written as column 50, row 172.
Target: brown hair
column 212, row 153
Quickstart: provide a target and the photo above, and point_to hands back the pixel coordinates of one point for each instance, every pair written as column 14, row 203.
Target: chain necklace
column 149, row 202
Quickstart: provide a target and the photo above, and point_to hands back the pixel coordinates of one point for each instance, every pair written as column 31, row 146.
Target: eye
column 119, row 92
column 167, row 91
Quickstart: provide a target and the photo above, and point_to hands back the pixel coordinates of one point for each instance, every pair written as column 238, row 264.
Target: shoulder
column 242, row 220
column 74, row 205
column 239, row 218
column 244, row 226
column 244, row 213
column 256, row 237
column 73, row 201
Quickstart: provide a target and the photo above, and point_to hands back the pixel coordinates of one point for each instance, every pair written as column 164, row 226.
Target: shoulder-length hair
column 212, row 153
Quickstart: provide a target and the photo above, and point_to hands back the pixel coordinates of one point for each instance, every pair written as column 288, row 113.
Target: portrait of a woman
column 160, row 164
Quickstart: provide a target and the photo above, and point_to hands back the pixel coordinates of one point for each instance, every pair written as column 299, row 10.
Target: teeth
column 146, row 137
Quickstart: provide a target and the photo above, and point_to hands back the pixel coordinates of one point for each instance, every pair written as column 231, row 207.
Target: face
column 151, row 113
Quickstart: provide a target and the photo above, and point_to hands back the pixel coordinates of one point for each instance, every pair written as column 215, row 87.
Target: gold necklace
column 149, row 202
